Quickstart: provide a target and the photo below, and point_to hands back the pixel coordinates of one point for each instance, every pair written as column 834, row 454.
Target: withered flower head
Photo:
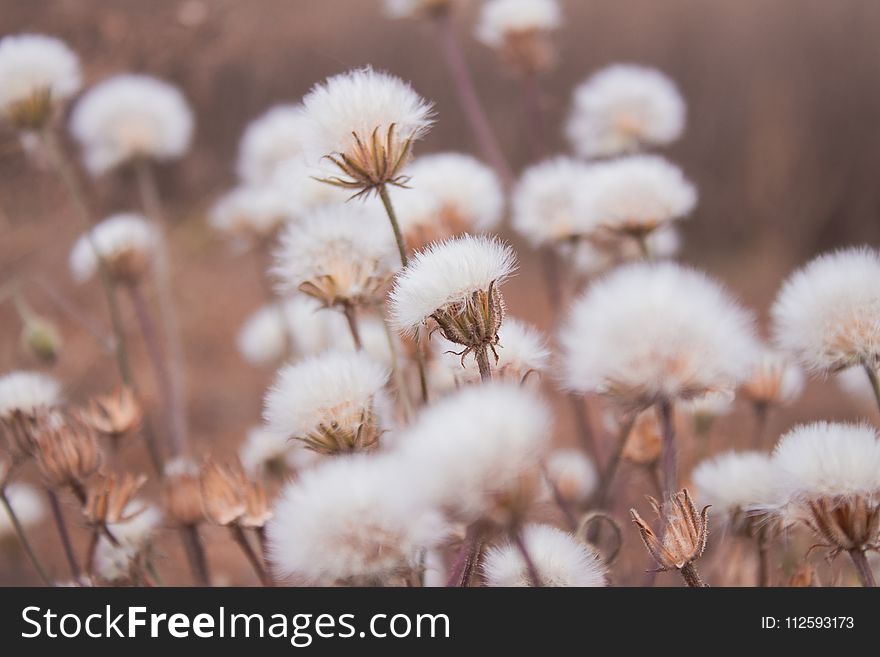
column 108, row 498
column 183, row 492
column 521, row 31
column 114, row 415
column 125, row 244
column 40, row 337
column 685, row 535
column 645, row 441
column 25, row 397
column 67, row 452
column 230, row 497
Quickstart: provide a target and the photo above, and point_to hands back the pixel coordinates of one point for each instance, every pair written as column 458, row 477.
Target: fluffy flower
column 475, row 452
column 303, row 193
column 250, row 213
column 416, row 8
column 573, row 475
column 827, row 314
column 735, row 483
column 129, row 117
column 263, row 450
column 635, row 195
column 648, row 332
column 854, row 382
column 28, row 507
column 27, row 393
column 775, row 379
column 622, row 108
column 364, row 122
column 500, row 19
column 269, row 140
column 115, row 562
column 340, row 255
column 559, row 558
column 351, row 520
column 449, row 193
column 595, row 256
column 126, row 242
column 331, row 401
column 545, row 202
column 37, row 73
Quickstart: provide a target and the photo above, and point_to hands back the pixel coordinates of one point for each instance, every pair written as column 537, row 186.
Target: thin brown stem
column 611, row 467
column 466, row 559
column 691, row 576
column 397, row 374
column 241, row 540
column 350, row 313
column 762, row 413
column 395, row 226
column 863, row 568
column 665, row 414
column 422, row 367
column 582, row 422
column 195, row 554
column 875, row 381
column 482, row 356
column 23, row 539
column 534, row 108
column 64, row 535
column 762, row 542
column 531, row 569
column 558, row 499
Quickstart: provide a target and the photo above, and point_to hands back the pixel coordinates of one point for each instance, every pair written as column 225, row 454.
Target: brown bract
column 114, row 415
column 474, row 322
column 372, row 163
column 685, row 535
column 67, row 452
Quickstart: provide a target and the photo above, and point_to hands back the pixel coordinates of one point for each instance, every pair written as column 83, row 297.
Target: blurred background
column 782, row 142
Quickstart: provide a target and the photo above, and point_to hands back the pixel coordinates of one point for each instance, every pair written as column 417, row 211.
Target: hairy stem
column 482, row 356
column 23, row 539
column 64, row 535
column 239, row 537
column 195, row 554
column 665, row 413
column 351, row 317
column 860, row 561
column 691, row 576
column 395, row 226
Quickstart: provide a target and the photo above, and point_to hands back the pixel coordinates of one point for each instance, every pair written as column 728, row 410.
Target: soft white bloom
column 573, row 475
column 648, row 332
column 735, row 483
column 855, row 383
column 623, row 107
column 473, row 450
column 27, row 393
column 827, row 314
column 269, row 140
column 114, row 562
column 501, row 20
column 128, row 117
column 775, row 379
column 711, row 406
column 351, row 520
column 250, row 212
column 339, row 254
column 448, row 273
column 263, row 450
column 635, row 195
column 559, row 558
column 546, row 202
column 416, row 8
column 27, row 504
column 127, row 242
column 37, row 73
column 448, row 193
column 298, row 184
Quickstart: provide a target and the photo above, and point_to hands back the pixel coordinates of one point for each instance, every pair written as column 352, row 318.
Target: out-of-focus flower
column 67, row 453
column 521, row 32
column 182, row 493
column 572, row 475
column 25, row 397
column 114, row 415
column 775, row 380
column 645, row 441
column 122, row 562
column 737, row 485
column 41, row 338
column 126, row 243
column 109, row 500
column 264, row 452
column 230, row 497
column 417, row 8
column 27, row 505
column 269, row 140
column 250, row 214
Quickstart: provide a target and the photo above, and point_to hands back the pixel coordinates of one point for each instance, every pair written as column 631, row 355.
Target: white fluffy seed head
column 261, row 449
column 502, row 19
column 416, row 8
column 333, row 387
column 475, row 447
column 635, row 194
column 559, row 558
column 361, row 102
column 573, row 475
column 656, row 331
column 27, row 393
column 827, row 314
column 827, row 460
column 854, row 382
column 27, row 504
column 734, row 483
column 269, row 140
column 446, row 273
column 775, row 379
column 351, row 520
column 249, row 213
column 131, row 116
column 623, row 107
column 545, row 202
column 114, row 562
column 35, row 67
column 297, row 182
column 127, row 243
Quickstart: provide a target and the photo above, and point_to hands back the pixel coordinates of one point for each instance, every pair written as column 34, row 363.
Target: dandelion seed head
column 28, row 393
column 262, row 449
column 250, row 213
column 734, row 483
column 269, row 140
column 775, row 379
column 127, row 243
column 416, row 8
column 573, row 475
column 501, row 19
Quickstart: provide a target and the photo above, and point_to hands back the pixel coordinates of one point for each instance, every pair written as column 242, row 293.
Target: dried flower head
column 231, row 497
column 250, row 214
column 37, row 74
column 333, row 402
column 684, row 537
column 456, row 284
column 645, row 441
column 126, row 560
column 67, row 452
column 559, row 557
column 775, row 380
column 130, row 117
column 828, row 477
column 109, row 499
column 649, row 332
column 476, row 452
column 269, row 140
column 364, row 123
column 24, row 398
column 351, row 520
column 417, row 8
column 127, row 244
column 827, row 314
column 521, row 32
column 115, row 415
column 572, row 475
column 182, row 492
column 27, row 504
column 340, row 255
column 623, row 108
column 736, row 485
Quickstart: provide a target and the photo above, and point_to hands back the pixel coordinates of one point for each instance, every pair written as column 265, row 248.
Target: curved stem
column 860, row 561
column 395, row 226
column 23, row 539
column 69, row 553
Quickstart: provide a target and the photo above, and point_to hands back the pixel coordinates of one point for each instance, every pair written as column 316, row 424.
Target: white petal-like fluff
column 27, row 392
column 653, row 331
column 250, row 211
column 573, row 474
column 113, row 562
column 414, row 8
column 451, row 187
column 623, row 107
column 131, row 116
column 500, row 19
column 637, row 192
column 334, row 386
column 559, row 558
column 545, row 201
column 827, row 460
column 269, row 140
column 347, row 242
column 448, row 272
column 362, row 101
column 854, row 382
column 775, row 379
column 303, row 193
column 827, row 314
column 262, row 448
column 32, row 64
column 117, row 235
column 476, row 444
column 350, row 520
column 735, row 483
column 27, row 504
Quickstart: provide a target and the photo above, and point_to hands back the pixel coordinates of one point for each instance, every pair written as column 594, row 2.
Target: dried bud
column 223, row 492
column 40, row 337
column 474, row 322
column 114, row 415
column 183, row 493
column 341, row 436
column 257, row 513
column 645, row 441
column 67, row 453
column 848, row 523
column 108, row 498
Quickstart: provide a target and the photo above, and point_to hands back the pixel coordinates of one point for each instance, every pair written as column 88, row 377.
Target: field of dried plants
column 439, row 293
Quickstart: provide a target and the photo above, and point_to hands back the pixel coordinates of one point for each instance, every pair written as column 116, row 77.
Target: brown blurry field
column 782, row 142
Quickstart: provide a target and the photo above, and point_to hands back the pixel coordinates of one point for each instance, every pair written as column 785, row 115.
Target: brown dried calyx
column 115, row 415
column 67, row 453
column 231, row 498
column 474, row 322
column 372, row 163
